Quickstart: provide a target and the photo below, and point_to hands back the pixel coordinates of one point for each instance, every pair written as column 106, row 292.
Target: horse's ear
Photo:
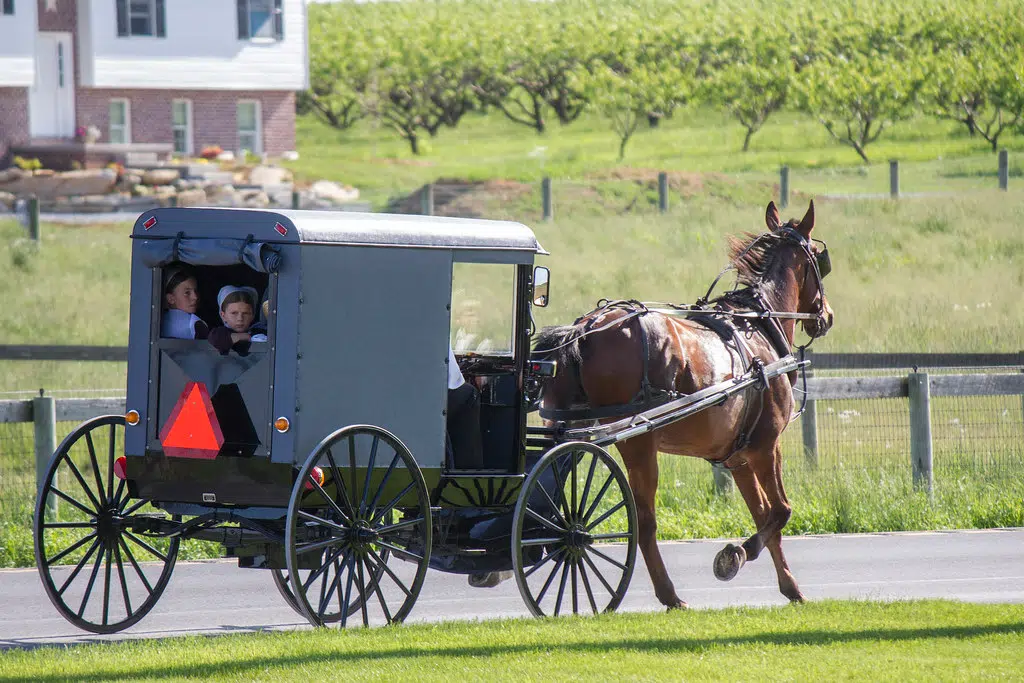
column 807, row 222
column 771, row 217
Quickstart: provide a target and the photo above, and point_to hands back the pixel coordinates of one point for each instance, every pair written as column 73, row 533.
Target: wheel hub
column 363, row 535
column 578, row 539
column 109, row 524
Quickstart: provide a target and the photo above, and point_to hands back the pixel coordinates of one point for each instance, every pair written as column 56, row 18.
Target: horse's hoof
column 678, row 604
column 728, row 562
column 797, row 599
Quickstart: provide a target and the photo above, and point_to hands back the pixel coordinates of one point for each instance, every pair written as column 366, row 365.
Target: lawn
column 861, row 641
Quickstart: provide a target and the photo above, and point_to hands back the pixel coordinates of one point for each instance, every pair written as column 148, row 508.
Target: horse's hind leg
column 787, row 584
column 641, row 458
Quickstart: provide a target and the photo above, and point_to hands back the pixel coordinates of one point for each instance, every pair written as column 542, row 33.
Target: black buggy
column 322, row 454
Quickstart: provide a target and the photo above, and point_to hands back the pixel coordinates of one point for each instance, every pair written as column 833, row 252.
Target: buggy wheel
column 573, row 512
column 98, row 572
column 339, row 534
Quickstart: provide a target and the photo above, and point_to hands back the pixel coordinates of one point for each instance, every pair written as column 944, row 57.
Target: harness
column 720, row 317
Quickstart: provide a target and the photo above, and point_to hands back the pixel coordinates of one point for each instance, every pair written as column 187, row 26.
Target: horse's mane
column 753, row 255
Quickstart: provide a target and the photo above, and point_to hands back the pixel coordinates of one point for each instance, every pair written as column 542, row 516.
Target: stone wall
column 14, row 126
column 214, row 115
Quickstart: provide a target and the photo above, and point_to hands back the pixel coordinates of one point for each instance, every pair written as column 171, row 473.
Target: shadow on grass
column 255, row 666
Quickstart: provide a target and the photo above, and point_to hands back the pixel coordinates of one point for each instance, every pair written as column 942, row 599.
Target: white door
column 52, row 98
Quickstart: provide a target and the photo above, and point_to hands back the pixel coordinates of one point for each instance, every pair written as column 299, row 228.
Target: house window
column 141, row 18
column 260, row 19
column 120, row 129
column 7, row 7
column 249, row 134
column 181, row 126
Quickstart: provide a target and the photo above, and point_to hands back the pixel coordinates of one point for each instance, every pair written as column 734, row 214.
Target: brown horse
column 602, row 363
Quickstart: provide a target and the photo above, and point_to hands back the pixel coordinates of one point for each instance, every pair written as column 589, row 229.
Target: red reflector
column 280, row 229
column 121, row 468
column 149, row 223
column 192, row 430
column 317, row 474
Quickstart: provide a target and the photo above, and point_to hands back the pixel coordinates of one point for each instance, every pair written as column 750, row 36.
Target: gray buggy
column 322, row 454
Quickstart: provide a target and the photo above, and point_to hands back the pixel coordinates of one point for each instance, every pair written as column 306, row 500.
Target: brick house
column 152, row 73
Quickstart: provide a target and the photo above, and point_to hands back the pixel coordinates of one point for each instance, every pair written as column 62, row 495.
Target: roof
column 339, row 227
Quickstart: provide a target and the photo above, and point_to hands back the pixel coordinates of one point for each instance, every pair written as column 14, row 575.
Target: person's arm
column 221, row 339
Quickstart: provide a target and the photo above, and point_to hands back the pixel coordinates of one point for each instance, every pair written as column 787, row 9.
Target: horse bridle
column 821, row 265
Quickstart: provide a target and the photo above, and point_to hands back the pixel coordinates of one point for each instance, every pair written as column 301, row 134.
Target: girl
column 181, row 297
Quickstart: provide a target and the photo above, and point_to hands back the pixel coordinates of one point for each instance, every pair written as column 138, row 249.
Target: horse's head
column 809, row 262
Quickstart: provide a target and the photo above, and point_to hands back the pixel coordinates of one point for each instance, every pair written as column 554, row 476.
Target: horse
column 618, row 354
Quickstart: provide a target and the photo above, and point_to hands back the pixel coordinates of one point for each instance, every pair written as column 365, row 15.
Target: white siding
column 201, row 50
column 18, row 45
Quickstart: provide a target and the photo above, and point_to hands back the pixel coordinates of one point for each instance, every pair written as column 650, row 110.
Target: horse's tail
column 561, row 343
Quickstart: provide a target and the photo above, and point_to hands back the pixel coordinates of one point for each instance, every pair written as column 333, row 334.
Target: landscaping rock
column 255, row 199
column 49, row 185
column 7, row 201
column 11, row 174
column 160, row 176
column 333, row 192
column 269, row 175
column 192, row 198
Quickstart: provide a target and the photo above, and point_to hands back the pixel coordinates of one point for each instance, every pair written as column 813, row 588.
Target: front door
column 52, row 98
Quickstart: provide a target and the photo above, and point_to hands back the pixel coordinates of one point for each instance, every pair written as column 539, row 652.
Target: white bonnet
column 228, row 289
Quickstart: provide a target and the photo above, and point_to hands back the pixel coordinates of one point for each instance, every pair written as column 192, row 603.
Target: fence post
column 784, row 187
column 663, row 192
column 894, row 178
column 296, row 200
column 723, row 480
column 32, row 206
column 920, row 430
column 545, row 199
column 44, row 424
column 427, row 200
column 1004, row 169
column 809, row 430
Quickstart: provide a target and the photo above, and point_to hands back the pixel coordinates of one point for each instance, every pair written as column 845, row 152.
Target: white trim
column 127, row 120
column 189, row 127
column 259, row 126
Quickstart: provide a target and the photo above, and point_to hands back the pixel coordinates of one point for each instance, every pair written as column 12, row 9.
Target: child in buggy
column 237, row 312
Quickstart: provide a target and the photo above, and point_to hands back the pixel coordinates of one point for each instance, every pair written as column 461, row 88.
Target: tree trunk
column 414, row 141
column 746, row 140
column 860, row 150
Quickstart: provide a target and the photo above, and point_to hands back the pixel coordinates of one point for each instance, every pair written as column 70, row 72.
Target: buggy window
column 483, row 308
column 210, row 279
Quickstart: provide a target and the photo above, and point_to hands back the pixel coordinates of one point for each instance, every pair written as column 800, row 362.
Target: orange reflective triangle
column 192, row 430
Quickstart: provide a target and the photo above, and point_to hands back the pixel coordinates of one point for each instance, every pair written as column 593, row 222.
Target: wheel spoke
column 69, row 525
column 392, row 503
column 572, row 486
column 551, row 577
column 339, row 483
column 536, row 517
column 123, row 582
column 586, row 487
column 110, row 462
column 387, row 570
column 398, row 526
column 81, row 564
column 324, row 522
column 106, row 587
column 318, row 545
column 377, row 590
column 400, row 552
column 563, row 506
column 95, row 468
column 118, row 501
column 138, row 569
column 362, row 586
column 544, row 560
column 608, row 513
column 383, row 482
column 600, row 576
column 318, row 572
column 621, row 536
column 554, row 506
column 330, row 501
column 541, row 541
column 70, row 549
column 81, row 482
column 60, row 494
column 92, row 581
column 134, row 508
column 348, row 591
column 604, row 557
column 369, row 473
column 561, row 586
column 352, row 470
column 573, row 587
column 150, row 549
column 325, row 594
column 586, row 586
column 598, row 497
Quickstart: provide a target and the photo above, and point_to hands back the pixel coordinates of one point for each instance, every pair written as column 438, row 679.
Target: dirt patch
column 467, row 198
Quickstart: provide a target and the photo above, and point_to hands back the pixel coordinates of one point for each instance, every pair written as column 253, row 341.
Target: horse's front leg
column 641, row 458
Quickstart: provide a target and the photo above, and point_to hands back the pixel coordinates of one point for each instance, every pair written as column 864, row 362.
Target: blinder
column 824, row 262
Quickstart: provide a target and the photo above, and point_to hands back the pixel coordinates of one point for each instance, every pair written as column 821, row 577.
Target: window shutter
column 161, row 21
column 243, row 19
column 278, row 20
column 8, row 7
column 122, row 18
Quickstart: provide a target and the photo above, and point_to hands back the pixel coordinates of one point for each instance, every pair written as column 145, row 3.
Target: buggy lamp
column 121, row 468
column 544, row 368
column 317, row 475
column 132, row 417
column 282, row 424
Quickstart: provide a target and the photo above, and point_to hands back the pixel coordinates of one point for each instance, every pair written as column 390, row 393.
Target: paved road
column 217, row 597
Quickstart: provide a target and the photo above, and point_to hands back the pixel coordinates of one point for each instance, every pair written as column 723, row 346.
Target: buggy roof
column 338, row 227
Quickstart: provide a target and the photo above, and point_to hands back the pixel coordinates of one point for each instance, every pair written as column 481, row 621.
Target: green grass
column 487, row 146
column 926, row 640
